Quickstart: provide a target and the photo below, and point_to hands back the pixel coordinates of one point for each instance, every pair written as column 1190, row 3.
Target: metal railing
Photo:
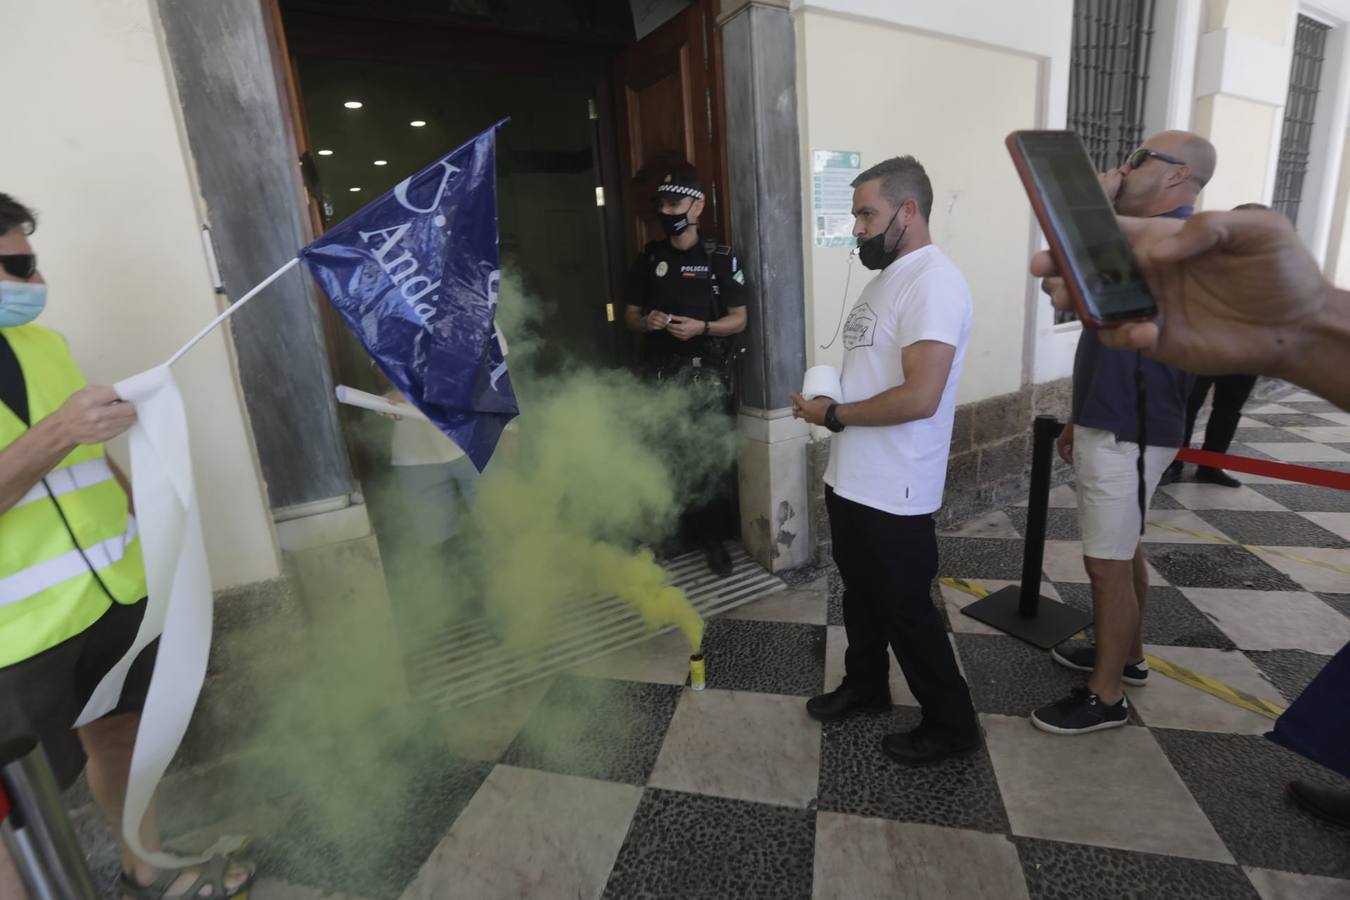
column 1300, row 115
column 37, row 832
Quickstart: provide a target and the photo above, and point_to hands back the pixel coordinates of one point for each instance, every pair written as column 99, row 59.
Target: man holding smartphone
column 1102, row 441
column 904, row 343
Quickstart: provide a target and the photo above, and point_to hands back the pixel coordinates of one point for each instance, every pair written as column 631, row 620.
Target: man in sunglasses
column 72, row 584
column 1127, row 422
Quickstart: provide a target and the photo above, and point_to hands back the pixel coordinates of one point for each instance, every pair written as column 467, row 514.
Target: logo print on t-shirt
column 861, row 328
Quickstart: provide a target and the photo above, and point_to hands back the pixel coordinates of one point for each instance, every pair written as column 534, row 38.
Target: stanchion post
column 1021, row 610
column 38, row 831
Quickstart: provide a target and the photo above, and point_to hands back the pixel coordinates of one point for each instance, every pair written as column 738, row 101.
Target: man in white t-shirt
column 904, row 342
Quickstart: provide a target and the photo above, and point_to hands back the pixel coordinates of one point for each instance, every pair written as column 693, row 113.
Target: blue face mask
column 21, row 302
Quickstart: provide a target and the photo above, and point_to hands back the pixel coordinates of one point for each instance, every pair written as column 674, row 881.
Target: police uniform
column 702, row 283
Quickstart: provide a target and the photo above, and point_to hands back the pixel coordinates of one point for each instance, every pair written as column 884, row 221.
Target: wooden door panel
column 666, row 116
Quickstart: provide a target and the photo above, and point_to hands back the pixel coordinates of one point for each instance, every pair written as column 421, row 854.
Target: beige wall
column 1241, row 132
column 884, row 90
column 92, row 142
column 1266, row 19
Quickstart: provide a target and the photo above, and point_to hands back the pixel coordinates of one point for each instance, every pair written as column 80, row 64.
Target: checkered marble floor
column 614, row 780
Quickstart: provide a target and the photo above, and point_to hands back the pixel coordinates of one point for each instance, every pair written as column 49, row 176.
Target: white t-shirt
column 900, row 469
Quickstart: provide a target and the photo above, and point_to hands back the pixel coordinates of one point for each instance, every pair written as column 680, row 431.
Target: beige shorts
column 1108, row 490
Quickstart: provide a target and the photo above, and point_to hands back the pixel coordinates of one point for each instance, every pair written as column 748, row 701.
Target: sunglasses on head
column 1140, row 156
column 19, row 265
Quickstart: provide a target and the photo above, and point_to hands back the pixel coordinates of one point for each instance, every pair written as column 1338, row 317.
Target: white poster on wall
column 832, row 174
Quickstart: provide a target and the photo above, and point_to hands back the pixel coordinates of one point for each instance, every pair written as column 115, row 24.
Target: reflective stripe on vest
column 49, row 574
column 71, row 478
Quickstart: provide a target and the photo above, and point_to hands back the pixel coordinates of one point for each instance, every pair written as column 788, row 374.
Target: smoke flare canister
column 696, row 677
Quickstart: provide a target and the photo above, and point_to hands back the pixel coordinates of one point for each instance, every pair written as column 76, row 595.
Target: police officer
column 687, row 298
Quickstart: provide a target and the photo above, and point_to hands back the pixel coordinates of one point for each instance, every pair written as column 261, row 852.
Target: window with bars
column 1300, row 115
column 1108, row 78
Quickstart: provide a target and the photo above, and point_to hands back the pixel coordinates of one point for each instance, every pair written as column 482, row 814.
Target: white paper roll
column 352, row 397
column 822, row 381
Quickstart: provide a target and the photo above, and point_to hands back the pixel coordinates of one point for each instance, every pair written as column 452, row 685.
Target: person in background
column 1230, row 394
column 1104, row 441
column 905, row 342
column 1239, row 292
column 72, row 583
column 686, row 297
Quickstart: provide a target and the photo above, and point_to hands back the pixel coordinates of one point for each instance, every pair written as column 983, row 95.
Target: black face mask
column 872, row 253
column 674, row 224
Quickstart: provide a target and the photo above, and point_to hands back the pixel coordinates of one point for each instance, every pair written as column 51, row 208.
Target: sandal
column 213, row 873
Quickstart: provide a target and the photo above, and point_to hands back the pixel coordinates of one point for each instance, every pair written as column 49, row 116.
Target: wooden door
column 668, row 103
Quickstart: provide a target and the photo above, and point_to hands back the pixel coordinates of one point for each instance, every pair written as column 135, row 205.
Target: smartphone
column 1091, row 252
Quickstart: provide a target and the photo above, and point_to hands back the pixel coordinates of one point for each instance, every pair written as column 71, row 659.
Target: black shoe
column 1172, row 473
column 1082, row 658
column 1215, row 476
column 1079, row 713
column 1323, row 802
column 719, row 560
column 845, row 702
column 925, row 746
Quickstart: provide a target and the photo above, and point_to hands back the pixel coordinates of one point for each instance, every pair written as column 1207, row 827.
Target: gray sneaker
column 1082, row 658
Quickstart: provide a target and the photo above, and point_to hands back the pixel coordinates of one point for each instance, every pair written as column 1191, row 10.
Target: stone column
column 763, row 147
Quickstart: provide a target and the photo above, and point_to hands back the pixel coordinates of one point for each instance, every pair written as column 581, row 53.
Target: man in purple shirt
column 1103, row 441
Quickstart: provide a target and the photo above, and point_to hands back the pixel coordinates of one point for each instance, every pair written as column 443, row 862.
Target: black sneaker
column 1172, row 473
column 1079, row 713
column 1082, row 658
column 1216, row 476
column 924, row 746
column 845, row 702
column 1322, row 801
column 719, row 560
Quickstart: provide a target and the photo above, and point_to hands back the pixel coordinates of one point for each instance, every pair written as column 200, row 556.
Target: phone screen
column 1085, row 227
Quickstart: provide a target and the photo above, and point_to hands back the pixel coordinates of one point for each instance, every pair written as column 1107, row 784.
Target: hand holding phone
column 1090, row 251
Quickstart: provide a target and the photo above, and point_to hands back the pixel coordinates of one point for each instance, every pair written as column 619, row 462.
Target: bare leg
column 1117, row 623
column 108, row 744
column 11, row 885
column 1141, row 595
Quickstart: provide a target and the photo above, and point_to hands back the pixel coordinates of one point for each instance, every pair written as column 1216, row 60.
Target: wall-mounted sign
column 832, row 174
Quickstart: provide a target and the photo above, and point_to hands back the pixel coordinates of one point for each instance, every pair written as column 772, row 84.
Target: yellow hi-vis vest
column 47, row 592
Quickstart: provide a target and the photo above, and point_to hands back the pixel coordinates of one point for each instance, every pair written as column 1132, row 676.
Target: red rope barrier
column 1266, row 467
column 4, row 804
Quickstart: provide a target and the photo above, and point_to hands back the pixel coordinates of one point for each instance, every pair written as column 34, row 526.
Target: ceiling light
column 417, row 123
column 381, row 162
column 325, row 152
column 354, row 190
column 353, row 104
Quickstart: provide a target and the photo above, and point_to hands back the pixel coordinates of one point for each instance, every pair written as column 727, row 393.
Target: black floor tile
column 1217, row 566
column 1284, row 420
column 696, row 847
column 1289, row 670
column 1311, row 406
column 371, row 839
column 1060, row 524
column 1012, row 678
column 857, row 778
column 596, row 728
column 1061, row 871
column 1340, row 601
column 1240, row 782
column 804, row 574
column 770, row 657
column 1267, row 435
column 1169, row 618
column 963, row 557
column 1271, row 529
column 1164, row 500
column 1306, row 497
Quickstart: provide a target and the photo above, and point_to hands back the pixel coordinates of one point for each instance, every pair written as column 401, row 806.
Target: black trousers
column 1230, row 393
column 888, row 564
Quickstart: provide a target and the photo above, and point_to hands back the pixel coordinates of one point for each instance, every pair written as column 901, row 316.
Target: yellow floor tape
column 1211, row 686
column 1272, row 551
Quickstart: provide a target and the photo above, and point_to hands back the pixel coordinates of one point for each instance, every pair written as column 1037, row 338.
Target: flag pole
column 232, row 309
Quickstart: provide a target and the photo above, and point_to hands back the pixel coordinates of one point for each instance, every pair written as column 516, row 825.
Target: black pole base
column 1053, row 623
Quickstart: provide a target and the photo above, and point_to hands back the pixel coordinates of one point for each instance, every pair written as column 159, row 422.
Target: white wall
column 886, row 90
column 92, row 142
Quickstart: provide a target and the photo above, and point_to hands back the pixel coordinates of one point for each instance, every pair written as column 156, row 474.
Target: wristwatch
column 832, row 419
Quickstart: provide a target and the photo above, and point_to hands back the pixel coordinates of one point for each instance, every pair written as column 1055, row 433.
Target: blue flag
column 414, row 274
column 1317, row 724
